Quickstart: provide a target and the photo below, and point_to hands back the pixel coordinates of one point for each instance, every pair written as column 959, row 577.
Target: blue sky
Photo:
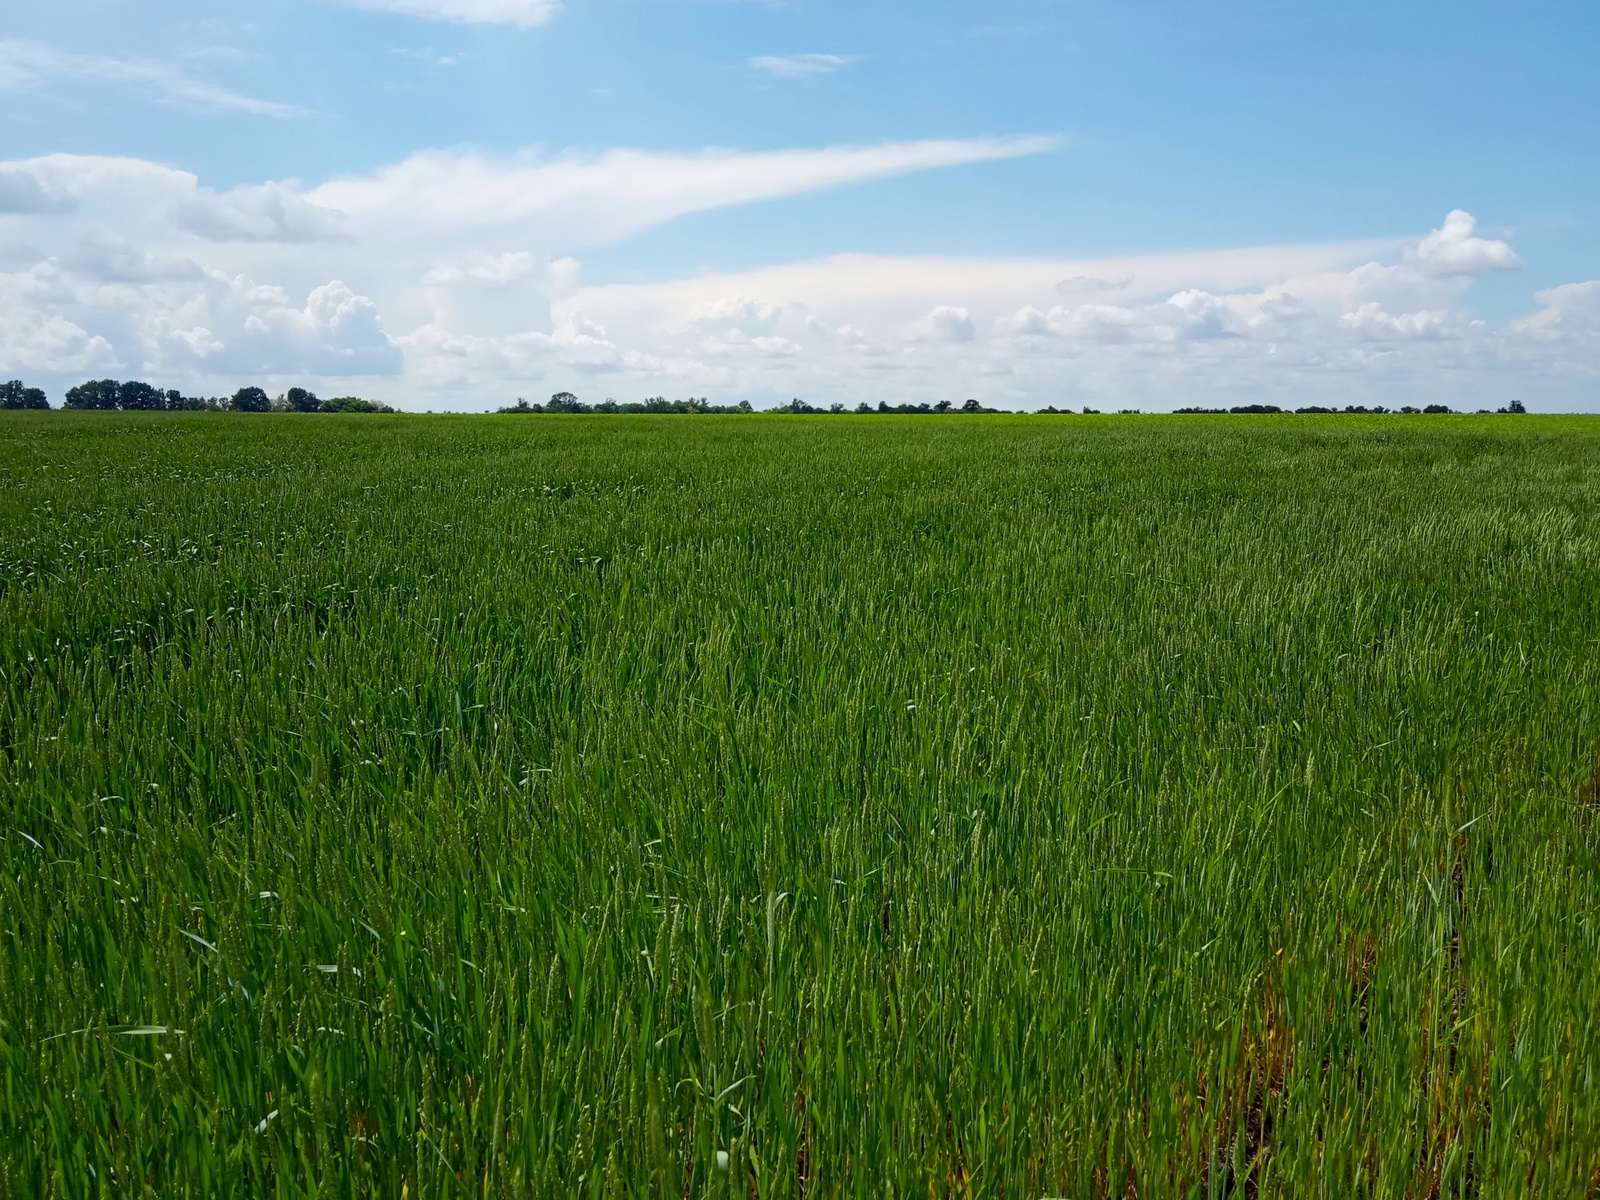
column 468, row 200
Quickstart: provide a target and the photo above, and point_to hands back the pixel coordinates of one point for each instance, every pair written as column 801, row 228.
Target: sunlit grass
column 779, row 806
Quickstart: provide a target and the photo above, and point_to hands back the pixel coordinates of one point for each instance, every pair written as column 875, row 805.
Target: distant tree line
column 135, row 396
column 863, row 409
column 1516, row 406
column 15, row 395
column 566, row 402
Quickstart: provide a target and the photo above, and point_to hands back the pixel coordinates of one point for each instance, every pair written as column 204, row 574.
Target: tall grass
column 781, row 807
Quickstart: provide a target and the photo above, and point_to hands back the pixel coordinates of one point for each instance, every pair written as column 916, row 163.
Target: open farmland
column 775, row 806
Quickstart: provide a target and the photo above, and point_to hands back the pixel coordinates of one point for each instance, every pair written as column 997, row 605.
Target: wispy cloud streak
column 522, row 14
column 29, row 66
column 800, row 66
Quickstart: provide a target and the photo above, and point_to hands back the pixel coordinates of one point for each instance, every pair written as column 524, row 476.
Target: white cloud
column 1571, row 309
column 1566, row 331
column 247, row 330
column 522, row 14
column 445, row 360
column 1027, row 320
column 448, row 280
column 1188, row 314
column 582, row 345
column 1291, row 325
column 110, row 259
column 269, row 212
column 1104, row 323
column 566, row 275
column 1200, row 315
column 23, row 192
column 737, row 342
column 96, row 186
column 799, row 66
column 497, row 270
column 1279, row 312
column 33, row 340
column 28, row 66
column 1370, row 321
column 950, row 324
column 464, row 249
column 336, row 333
column 736, row 312
column 592, row 199
column 1455, row 249
column 1090, row 285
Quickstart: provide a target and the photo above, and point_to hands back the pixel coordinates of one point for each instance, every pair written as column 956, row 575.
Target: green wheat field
column 781, row 806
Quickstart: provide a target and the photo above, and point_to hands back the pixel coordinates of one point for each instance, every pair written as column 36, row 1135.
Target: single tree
column 301, row 400
column 251, row 400
column 140, row 397
column 97, row 393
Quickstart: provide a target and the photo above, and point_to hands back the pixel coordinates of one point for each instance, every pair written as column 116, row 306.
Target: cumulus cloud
column 336, row 333
column 29, row 66
column 96, row 186
column 1279, row 311
column 1455, row 249
column 497, row 270
column 736, row 312
column 1572, row 308
column 449, row 279
column 1027, row 320
column 1192, row 313
column 109, row 259
column 1200, row 315
column 249, row 329
column 799, row 66
column 1104, row 323
column 582, row 345
column 566, row 273
column 1370, row 321
column 23, row 192
column 447, row 359
column 521, row 14
column 34, row 340
column 466, row 250
column 1293, row 325
column 950, row 324
column 270, row 212
column 737, row 342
